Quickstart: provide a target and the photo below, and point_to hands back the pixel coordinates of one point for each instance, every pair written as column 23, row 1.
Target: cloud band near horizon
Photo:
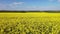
column 30, row 5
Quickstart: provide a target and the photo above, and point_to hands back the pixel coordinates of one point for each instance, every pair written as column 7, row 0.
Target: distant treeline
column 28, row 11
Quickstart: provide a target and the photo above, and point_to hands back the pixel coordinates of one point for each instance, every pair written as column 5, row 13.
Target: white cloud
column 16, row 4
column 10, row 6
column 2, row 6
column 58, row 0
column 43, row 8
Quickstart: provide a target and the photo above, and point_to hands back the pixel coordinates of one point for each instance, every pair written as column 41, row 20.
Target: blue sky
column 29, row 4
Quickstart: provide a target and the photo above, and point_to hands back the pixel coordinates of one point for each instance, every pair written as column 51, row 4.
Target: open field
column 30, row 23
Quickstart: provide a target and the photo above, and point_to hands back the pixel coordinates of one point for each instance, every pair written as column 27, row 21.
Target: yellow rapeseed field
column 30, row 23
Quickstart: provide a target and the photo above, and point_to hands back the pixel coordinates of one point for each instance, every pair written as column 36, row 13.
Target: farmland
column 30, row 23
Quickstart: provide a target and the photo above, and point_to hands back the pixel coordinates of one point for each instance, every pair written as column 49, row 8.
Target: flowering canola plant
column 29, row 23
